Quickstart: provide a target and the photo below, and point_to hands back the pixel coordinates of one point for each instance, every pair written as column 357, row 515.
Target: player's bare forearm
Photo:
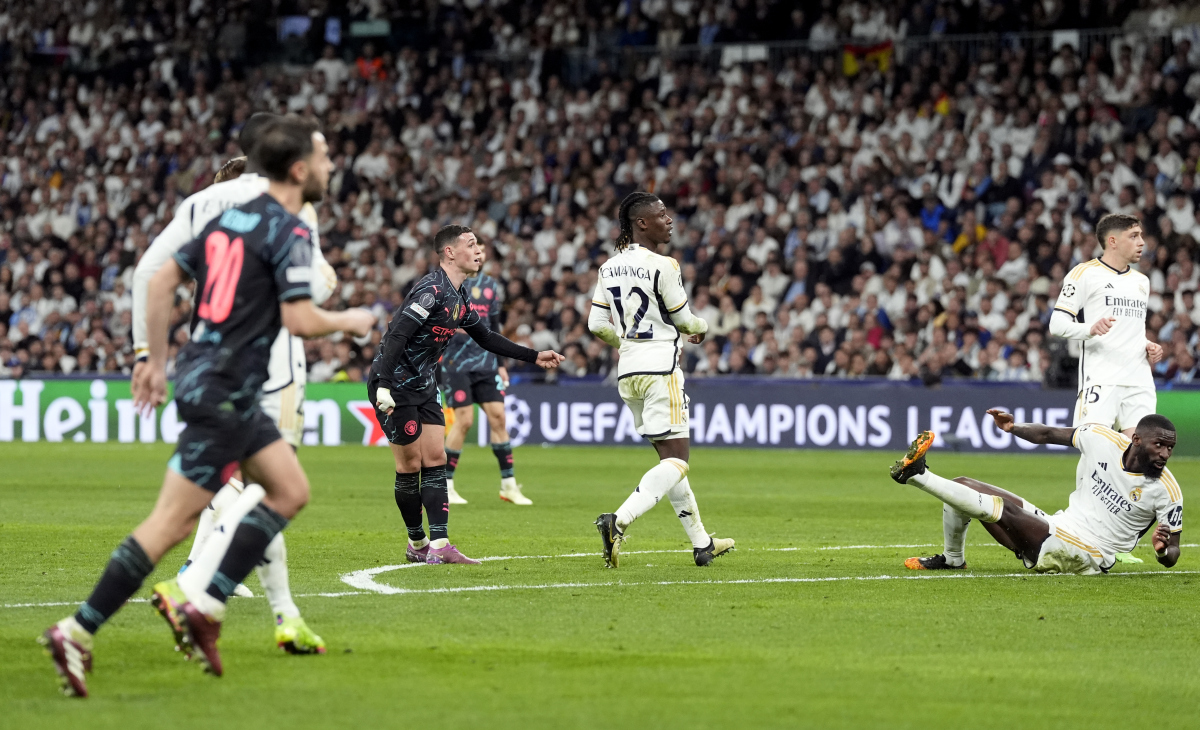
column 1166, row 546
column 304, row 319
column 1035, row 433
column 160, row 297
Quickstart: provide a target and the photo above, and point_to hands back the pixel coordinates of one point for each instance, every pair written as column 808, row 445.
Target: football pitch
column 811, row 622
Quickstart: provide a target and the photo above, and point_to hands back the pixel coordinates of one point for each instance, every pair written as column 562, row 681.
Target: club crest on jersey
column 475, row 292
column 488, row 293
column 457, row 311
column 1136, row 494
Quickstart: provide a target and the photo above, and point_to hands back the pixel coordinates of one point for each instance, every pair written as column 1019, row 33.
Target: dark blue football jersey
column 464, row 355
column 433, row 311
column 245, row 262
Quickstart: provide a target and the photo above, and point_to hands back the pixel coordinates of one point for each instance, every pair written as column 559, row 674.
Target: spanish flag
column 854, row 56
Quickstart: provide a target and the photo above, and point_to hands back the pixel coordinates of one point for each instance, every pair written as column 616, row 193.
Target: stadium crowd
column 912, row 221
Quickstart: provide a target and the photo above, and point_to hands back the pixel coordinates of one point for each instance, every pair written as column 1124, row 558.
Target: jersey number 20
column 631, row 333
column 224, row 269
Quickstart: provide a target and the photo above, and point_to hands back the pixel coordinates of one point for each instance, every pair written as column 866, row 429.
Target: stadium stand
column 878, row 190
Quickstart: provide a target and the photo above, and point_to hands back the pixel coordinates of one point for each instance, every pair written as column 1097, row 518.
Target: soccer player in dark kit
column 475, row 375
column 403, row 387
column 252, row 267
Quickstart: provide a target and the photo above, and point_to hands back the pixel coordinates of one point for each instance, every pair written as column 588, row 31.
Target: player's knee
column 464, row 418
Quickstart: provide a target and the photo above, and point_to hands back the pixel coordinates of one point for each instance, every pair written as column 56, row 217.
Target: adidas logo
column 1110, row 286
column 1104, row 465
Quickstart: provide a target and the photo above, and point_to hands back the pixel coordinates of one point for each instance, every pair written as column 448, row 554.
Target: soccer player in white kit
column 640, row 307
column 283, row 393
column 1122, row 491
column 1103, row 304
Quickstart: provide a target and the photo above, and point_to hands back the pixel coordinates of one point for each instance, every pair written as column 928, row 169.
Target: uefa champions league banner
column 759, row 414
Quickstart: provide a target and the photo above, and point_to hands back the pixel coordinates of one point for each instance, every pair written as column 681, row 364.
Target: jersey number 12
column 224, row 259
column 632, row 333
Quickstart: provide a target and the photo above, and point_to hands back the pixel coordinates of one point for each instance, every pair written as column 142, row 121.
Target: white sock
column 655, row 483
column 954, row 535
column 419, row 543
column 439, row 543
column 273, row 572
column 688, row 513
column 224, row 497
column 195, row 580
column 983, row 507
column 508, row 484
column 204, row 528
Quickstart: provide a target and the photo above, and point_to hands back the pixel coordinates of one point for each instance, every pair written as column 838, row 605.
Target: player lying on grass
column 402, row 386
column 252, row 268
column 1122, row 490
column 239, row 181
column 475, row 375
column 643, row 292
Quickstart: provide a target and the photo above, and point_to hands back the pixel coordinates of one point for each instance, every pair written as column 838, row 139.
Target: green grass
column 657, row 644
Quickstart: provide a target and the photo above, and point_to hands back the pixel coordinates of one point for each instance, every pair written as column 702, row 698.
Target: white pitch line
column 364, row 579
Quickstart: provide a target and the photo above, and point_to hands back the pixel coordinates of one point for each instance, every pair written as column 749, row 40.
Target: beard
column 1152, row 471
column 312, row 191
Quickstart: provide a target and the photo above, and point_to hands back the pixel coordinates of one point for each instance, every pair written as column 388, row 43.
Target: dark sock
column 451, row 462
column 437, row 504
column 408, row 499
column 127, row 568
column 256, row 530
column 503, row 454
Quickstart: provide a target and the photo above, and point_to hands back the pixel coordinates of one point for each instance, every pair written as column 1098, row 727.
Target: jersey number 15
column 631, row 332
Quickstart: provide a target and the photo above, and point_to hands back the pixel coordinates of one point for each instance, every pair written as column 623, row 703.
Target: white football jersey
column 1112, row 508
column 642, row 293
column 1093, row 290
column 191, row 217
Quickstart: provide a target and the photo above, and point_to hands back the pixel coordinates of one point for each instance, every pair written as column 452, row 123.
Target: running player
column 402, row 386
column 1116, row 386
column 645, row 293
column 252, row 267
column 1122, row 490
column 283, row 393
column 475, row 375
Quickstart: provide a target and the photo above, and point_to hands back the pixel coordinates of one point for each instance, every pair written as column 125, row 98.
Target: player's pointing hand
column 549, row 359
column 1004, row 421
column 1102, row 325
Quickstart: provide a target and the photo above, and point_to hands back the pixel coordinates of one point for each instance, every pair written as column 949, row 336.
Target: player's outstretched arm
column 1166, row 546
column 1034, row 433
column 304, row 319
column 499, row 344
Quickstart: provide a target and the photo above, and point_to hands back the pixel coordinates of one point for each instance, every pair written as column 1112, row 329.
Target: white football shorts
column 658, row 403
column 1065, row 552
column 286, row 408
column 1116, row 406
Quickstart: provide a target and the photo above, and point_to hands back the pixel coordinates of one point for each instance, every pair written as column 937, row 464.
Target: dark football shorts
column 476, row 387
column 216, row 440
column 403, row 427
